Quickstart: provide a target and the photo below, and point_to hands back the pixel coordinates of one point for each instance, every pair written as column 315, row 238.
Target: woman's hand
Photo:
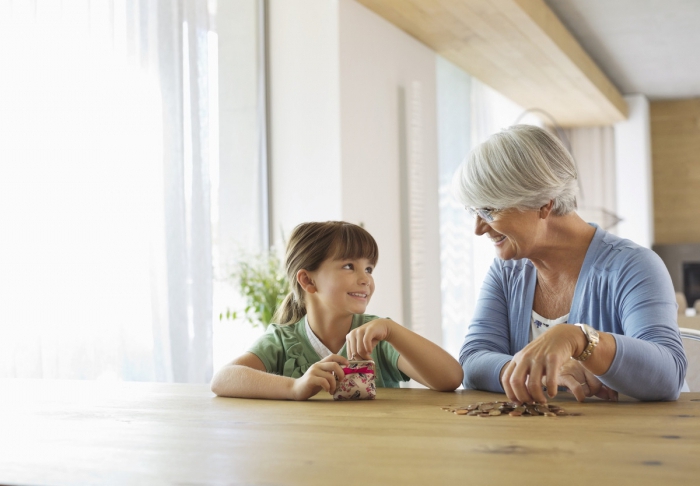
column 582, row 383
column 319, row 377
column 540, row 363
column 362, row 340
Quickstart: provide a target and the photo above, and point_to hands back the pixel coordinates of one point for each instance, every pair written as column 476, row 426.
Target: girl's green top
column 287, row 351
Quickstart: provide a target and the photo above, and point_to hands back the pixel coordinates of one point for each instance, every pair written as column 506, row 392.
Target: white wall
column 337, row 71
column 380, row 64
column 635, row 198
column 305, row 113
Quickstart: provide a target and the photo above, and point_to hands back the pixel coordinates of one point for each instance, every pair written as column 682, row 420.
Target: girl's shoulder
column 286, row 332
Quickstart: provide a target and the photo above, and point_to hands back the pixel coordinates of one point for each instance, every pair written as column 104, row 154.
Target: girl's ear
column 306, row 282
column 546, row 209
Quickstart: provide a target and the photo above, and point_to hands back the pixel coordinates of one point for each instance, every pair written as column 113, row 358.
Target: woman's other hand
column 320, row 376
column 362, row 340
column 582, row 383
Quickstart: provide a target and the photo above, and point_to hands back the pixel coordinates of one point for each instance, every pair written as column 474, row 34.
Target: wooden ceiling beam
column 518, row 47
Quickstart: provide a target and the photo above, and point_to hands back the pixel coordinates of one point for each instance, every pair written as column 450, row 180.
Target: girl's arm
column 421, row 359
column 246, row 377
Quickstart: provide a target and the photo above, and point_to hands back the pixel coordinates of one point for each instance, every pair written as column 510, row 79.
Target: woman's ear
column 306, row 281
column 546, row 209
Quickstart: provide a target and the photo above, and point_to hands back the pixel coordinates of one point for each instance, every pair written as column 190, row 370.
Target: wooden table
column 73, row 432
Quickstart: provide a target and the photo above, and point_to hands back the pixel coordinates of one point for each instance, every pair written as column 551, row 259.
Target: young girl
column 322, row 323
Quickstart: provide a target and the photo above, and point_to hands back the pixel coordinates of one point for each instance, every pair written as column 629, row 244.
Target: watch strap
column 592, row 343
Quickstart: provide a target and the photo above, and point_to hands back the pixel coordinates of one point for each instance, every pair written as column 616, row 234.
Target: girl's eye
column 349, row 266
column 369, row 270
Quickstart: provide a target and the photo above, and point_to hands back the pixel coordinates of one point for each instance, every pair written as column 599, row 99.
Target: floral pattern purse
column 358, row 383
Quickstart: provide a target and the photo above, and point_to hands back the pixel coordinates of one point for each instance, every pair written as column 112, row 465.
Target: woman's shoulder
column 615, row 253
column 511, row 270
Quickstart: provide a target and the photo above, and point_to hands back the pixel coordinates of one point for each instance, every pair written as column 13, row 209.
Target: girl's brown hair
column 310, row 244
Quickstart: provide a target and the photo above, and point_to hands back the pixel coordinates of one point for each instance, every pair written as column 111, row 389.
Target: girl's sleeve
column 486, row 348
column 649, row 363
column 270, row 349
column 387, row 358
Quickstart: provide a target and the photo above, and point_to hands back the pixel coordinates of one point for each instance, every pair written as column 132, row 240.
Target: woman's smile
column 497, row 240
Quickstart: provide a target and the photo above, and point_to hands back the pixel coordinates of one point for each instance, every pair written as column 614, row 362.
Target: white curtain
column 105, row 232
column 593, row 148
column 468, row 113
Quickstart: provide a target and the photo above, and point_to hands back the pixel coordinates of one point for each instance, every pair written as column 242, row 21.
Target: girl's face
column 512, row 232
column 344, row 286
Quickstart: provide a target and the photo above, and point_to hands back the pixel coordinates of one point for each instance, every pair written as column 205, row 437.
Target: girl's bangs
column 353, row 242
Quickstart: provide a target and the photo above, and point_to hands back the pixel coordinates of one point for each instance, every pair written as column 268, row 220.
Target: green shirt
column 287, row 351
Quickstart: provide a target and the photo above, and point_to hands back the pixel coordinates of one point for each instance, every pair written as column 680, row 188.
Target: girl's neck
column 330, row 330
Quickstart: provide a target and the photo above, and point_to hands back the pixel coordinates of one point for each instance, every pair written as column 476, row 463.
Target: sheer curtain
column 105, row 247
column 468, row 113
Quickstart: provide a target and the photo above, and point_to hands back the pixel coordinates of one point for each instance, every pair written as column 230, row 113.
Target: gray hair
column 521, row 167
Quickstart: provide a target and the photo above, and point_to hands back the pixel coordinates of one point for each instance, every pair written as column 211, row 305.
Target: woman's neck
column 330, row 330
column 564, row 244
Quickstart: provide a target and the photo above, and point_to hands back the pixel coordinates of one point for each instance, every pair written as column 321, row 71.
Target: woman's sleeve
column 649, row 362
column 486, row 348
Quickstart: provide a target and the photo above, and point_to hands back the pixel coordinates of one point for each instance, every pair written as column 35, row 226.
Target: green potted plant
column 262, row 282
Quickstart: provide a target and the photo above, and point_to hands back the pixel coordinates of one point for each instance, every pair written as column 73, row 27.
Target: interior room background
column 145, row 145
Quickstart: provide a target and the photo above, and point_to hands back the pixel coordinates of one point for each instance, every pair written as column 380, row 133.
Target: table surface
column 81, row 432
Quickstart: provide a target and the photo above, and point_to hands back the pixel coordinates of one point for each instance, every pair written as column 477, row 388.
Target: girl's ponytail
column 289, row 311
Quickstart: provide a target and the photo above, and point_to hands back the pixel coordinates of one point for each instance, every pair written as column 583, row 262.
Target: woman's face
column 512, row 232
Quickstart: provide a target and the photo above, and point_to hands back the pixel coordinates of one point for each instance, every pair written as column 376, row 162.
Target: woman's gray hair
column 521, row 167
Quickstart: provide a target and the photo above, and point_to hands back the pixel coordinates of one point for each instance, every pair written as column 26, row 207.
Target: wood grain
column 518, row 47
column 675, row 148
column 72, row 432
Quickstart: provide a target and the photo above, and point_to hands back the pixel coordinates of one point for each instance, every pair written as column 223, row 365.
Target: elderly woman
column 565, row 303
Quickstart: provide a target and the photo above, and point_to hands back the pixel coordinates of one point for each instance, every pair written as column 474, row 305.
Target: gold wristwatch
column 593, row 337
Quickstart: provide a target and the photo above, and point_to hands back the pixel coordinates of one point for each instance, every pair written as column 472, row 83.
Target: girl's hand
column 582, row 383
column 319, row 377
column 361, row 341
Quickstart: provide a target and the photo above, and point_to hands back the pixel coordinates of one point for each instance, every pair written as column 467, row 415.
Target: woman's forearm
column 435, row 367
column 238, row 381
column 646, row 370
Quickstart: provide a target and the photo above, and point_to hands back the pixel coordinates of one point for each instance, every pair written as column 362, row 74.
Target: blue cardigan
column 623, row 289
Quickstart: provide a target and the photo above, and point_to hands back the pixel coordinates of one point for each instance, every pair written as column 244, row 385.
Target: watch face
column 592, row 334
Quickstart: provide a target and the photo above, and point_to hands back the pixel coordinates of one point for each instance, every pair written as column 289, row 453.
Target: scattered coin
column 494, row 409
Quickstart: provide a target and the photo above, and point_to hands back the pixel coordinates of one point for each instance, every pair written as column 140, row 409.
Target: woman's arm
column 486, row 348
column 649, row 361
column 420, row 358
column 246, row 377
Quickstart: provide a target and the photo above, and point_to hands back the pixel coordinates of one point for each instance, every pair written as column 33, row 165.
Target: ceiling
column 643, row 46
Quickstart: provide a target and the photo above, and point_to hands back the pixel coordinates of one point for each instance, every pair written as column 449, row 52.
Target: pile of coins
column 494, row 409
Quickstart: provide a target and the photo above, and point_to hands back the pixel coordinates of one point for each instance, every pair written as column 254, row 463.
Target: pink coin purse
column 358, row 383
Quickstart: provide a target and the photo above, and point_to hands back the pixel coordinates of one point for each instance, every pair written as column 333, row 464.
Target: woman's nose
column 480, row 226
